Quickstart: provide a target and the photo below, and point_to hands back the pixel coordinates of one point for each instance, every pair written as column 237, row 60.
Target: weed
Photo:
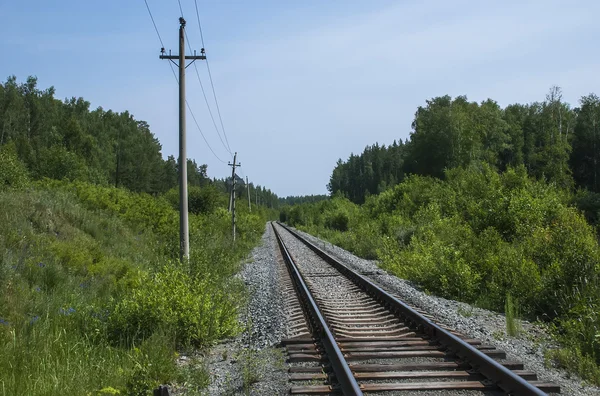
column 513, row 324
column 250, row 362
column 465, row 311
column 498, row 335
column 194, row 376
column 574, row 361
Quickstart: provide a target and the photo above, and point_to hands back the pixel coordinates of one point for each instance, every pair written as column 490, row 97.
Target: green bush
column 478, row 236
column 56, row 162
column 589, row 203
column 92, row 302
column 337, row 221
column 193, row 309
column 201, row 200
column 13, row 172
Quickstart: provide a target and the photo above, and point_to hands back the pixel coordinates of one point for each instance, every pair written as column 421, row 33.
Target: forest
column 65, row 140
column 486, row 205
column 552, row 140
column 94, row 297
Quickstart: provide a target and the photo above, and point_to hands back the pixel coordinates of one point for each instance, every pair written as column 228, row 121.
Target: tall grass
column 512, row 314
column 92, row 301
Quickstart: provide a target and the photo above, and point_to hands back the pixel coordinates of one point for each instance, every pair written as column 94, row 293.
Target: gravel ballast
column 487, row 326
column 254, row 355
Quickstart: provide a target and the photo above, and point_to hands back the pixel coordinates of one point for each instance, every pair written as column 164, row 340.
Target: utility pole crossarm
column 176, row 57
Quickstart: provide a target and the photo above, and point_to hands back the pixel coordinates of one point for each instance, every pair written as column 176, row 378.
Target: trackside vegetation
column 94, row 299
column 485, row 205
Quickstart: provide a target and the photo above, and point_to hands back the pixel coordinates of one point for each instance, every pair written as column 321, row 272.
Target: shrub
column 337, row 221
column 589, row 203
column 192, row 308
column 91, row 300
column 13, row 172
column 201, row 200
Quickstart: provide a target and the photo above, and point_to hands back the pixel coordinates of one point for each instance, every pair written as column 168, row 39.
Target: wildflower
column 66, row 312
column 37, row 289
column 41, row 265
column 4, row 322
column 34, row 319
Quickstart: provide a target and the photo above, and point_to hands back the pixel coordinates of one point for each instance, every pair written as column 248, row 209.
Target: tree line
column 553, row 140
column 66, row 140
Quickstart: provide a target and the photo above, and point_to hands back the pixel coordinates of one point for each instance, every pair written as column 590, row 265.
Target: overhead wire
column 180, row 9
column 227, row 148
column 203, row 137
column 160, row 38
column 210, row 76
column 206, row 100
column 177, row 80
column 203, row 93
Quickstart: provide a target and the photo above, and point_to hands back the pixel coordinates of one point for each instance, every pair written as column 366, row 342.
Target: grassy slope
column 92, row 298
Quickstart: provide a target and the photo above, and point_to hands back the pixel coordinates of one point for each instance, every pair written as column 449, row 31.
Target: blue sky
column 301, row 84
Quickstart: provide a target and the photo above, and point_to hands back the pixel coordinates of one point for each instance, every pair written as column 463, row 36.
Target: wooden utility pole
column 249, row 202
column 184, row 236
column 232, row 199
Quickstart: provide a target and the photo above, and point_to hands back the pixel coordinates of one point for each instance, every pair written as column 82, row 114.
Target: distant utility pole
column 249, row 202
column 232, row 199
column 231, row 195
column 184, row 236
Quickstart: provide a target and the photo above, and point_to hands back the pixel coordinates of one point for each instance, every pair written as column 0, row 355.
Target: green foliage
column 57, row 162
column 585, row 158
column 201, row 200
column 93, row 301
column 251, row 363
column 511, row 311
column 478, row 235
column 573, row 360
column 12, row 171
column 337, row 220
column 589, row 203
column 375, row 170
column 553, row 142
column 295, row 200
column 193, row 308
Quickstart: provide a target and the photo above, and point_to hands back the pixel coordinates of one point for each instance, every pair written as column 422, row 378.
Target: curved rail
column 340, row 367
column 495, row 372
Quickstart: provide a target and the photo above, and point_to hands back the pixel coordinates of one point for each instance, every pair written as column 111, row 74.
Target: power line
column 202, row 88
column 200, row 130
column 206, row 100
column 180, row 9
column 154, row 23
column 159, row 38
column 177, row 80
column 210, row 111
column 210, row 77
column 199, row 25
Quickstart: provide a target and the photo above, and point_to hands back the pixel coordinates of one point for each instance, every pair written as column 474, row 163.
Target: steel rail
column 340, row 367
column 499, row 375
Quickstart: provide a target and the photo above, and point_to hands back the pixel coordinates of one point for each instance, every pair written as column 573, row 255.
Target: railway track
column 352, row 337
